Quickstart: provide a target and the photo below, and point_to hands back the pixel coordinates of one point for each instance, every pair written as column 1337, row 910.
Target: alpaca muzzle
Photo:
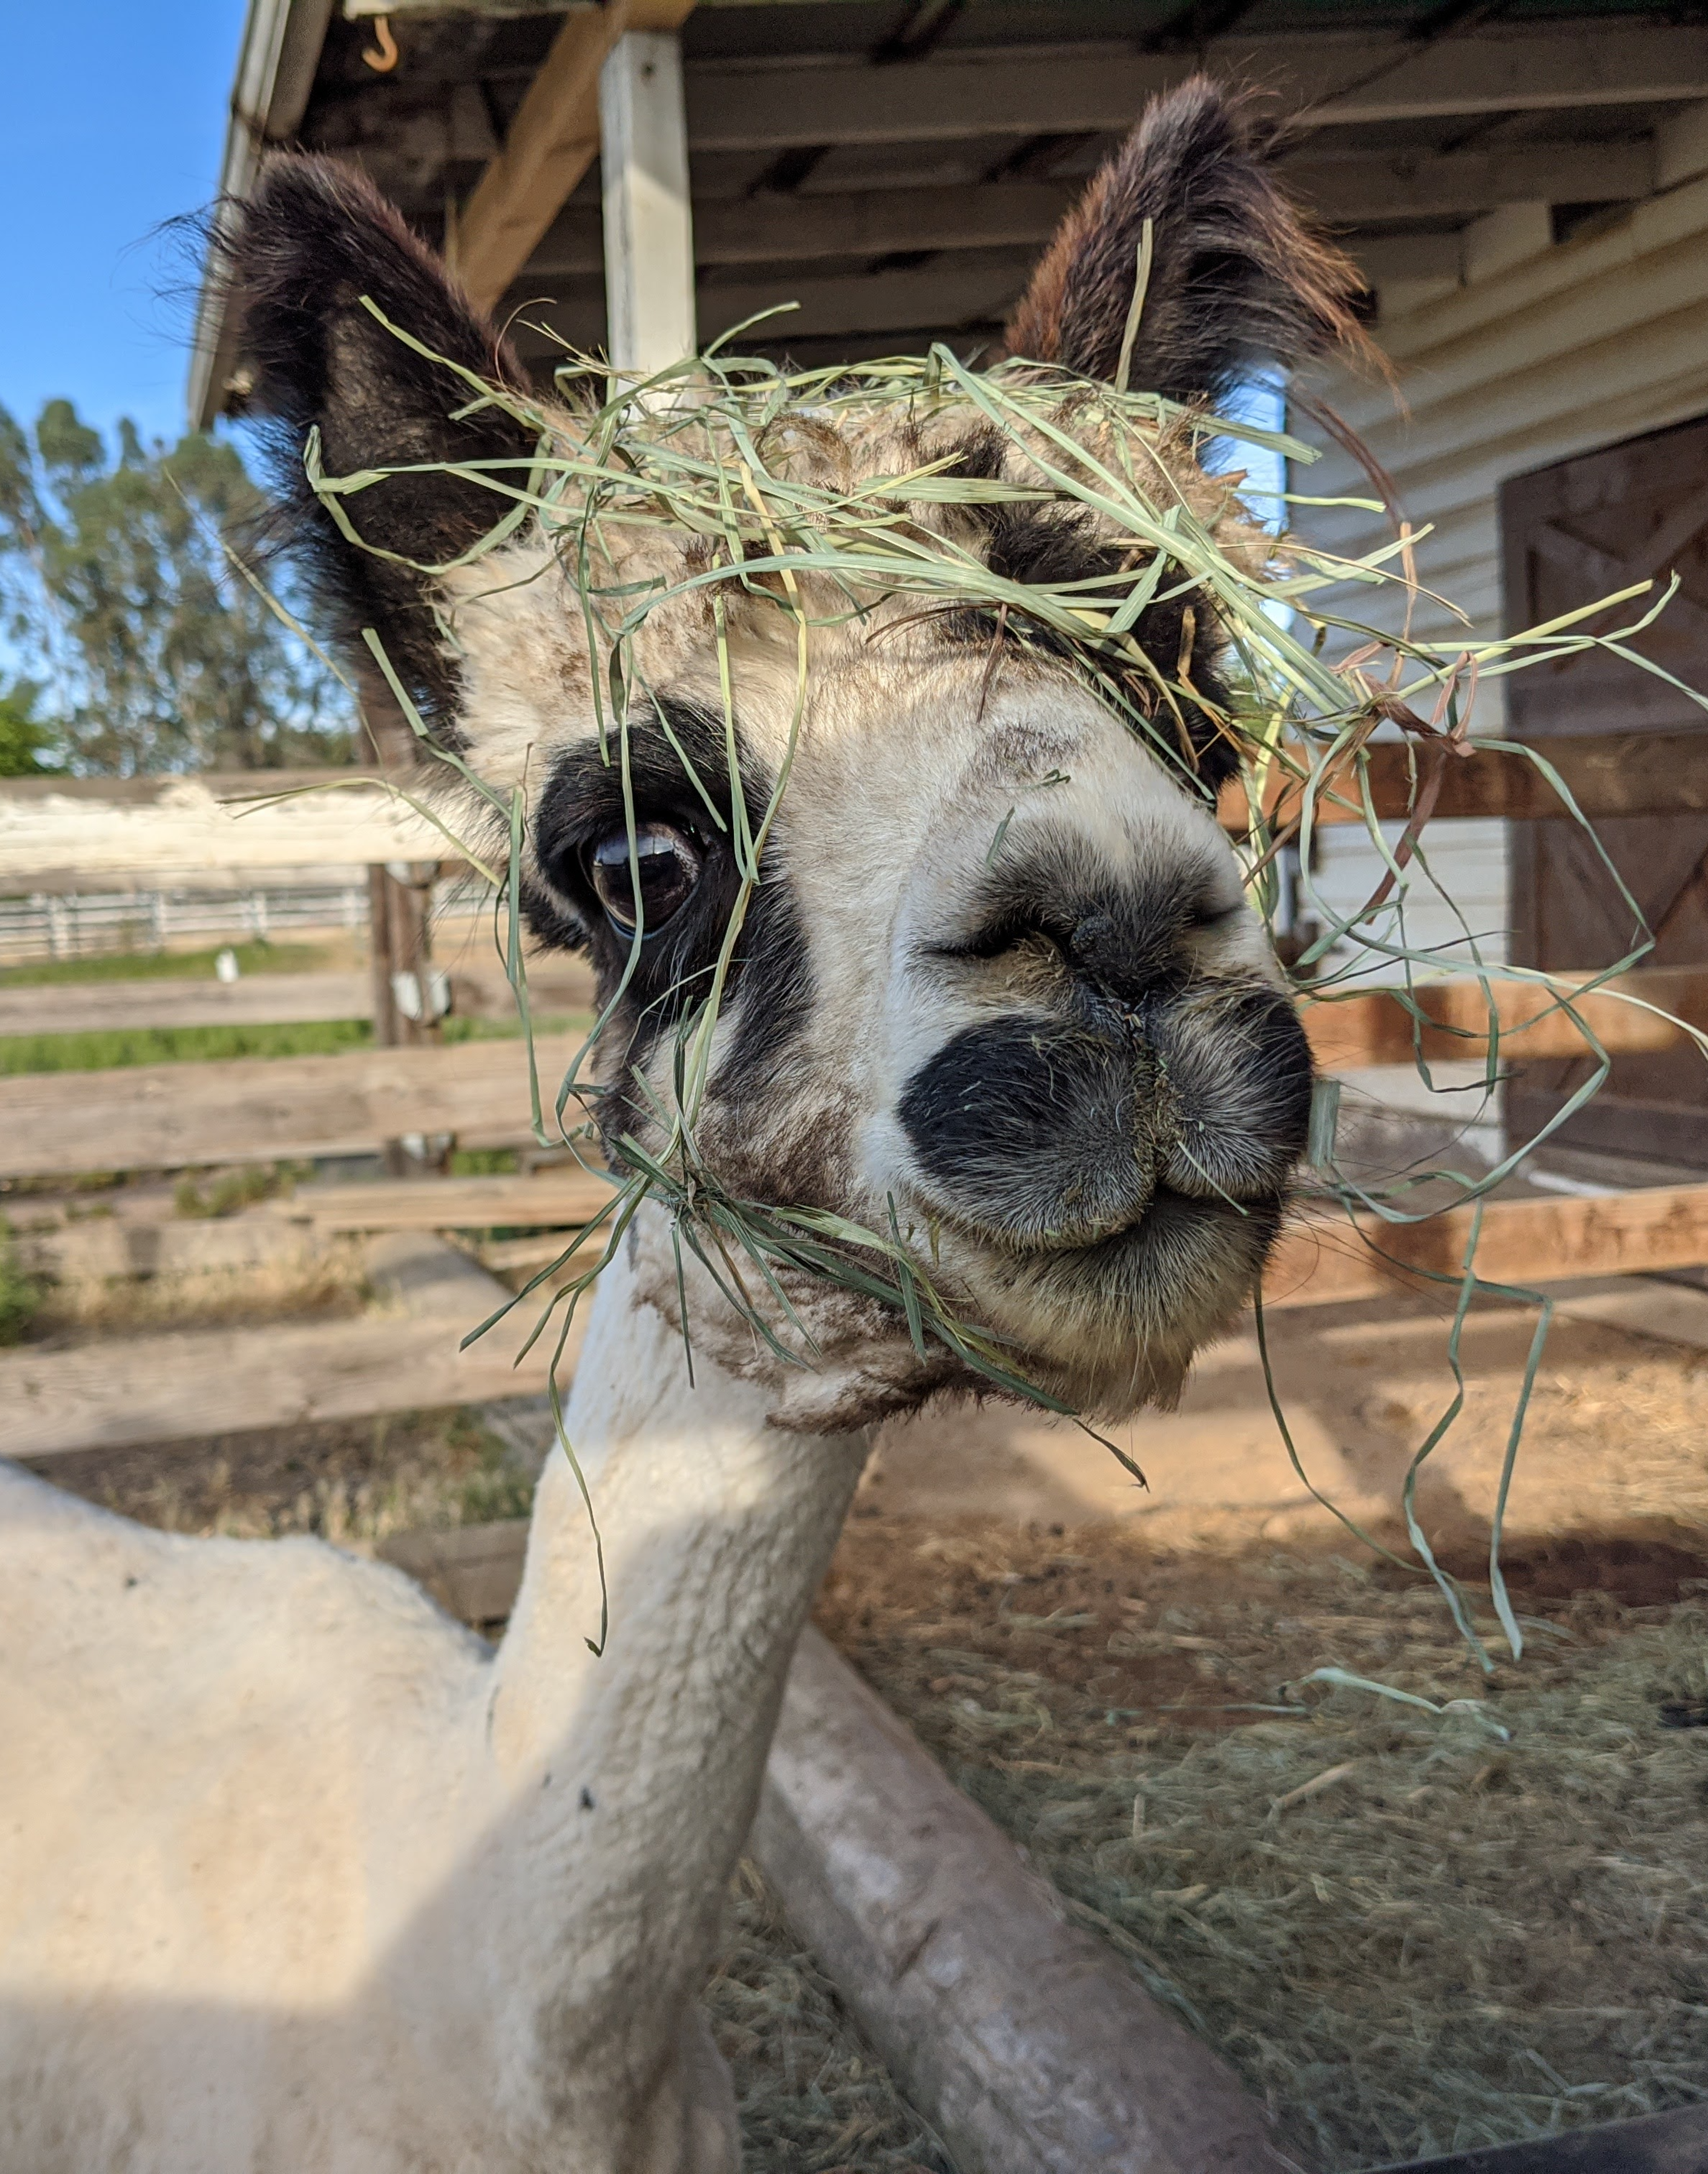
column 1041, row 1134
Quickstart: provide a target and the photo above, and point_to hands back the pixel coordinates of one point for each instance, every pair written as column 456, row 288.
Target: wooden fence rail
column 53, row 829
column 1607, row 774
column 270, row 999
column 165, row 1116
column 130, row 1391
column 170, row 1116
column 1375, row 1026
column 1323, row 1260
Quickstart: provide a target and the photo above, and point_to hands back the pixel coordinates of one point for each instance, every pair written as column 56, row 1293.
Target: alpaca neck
column 630, row 1778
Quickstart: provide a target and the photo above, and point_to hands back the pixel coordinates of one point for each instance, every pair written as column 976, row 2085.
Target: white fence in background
column 80, row 924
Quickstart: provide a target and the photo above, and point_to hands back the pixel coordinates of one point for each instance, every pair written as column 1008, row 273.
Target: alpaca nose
column 1122, row 961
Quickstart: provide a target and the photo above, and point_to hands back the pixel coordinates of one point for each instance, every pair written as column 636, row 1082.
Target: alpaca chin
column 1111, row 1327
column 855, row 1363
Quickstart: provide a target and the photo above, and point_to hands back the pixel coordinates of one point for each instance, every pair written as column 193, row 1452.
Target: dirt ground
column 1418, row 1907
column 1614, row 1439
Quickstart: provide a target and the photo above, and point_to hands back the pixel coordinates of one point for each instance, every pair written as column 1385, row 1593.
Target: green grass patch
column 205, row 1197
column 484, row 1162
column 508, row 1030
column 20, row 1294
column 257, row 957
column 107, row 1049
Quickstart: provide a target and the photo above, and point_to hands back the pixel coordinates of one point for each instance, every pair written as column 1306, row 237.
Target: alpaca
column 297, row 1876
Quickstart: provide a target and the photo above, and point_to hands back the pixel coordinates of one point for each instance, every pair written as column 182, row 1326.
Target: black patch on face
column 1038, row 1133
column 1241, row 1056
column 1133, row 1076
column 768, row 991
column 1045, row 546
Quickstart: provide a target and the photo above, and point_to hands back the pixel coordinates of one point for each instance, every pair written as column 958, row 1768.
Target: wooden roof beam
column 751, row 105
column 276, row 63
column 552, row 142
column 766, row 229
column 1356, row 191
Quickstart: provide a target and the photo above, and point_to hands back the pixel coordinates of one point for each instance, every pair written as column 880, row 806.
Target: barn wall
column 1542, row 351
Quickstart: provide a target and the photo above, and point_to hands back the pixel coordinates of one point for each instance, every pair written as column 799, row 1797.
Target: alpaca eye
column 664, row 875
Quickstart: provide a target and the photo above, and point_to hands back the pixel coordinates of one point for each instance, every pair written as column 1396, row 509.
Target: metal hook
column 385, row 59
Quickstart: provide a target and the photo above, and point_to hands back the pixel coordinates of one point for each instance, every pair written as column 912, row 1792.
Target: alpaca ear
column 1237, row 278
column 316, row 239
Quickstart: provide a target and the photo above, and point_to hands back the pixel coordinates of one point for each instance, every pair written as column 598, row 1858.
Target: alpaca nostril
column 1117, row 962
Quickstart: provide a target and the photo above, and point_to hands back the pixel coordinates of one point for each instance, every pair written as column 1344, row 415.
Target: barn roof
column 893, row 166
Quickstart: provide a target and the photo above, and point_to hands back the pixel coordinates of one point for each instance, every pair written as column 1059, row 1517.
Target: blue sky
column 116, row 121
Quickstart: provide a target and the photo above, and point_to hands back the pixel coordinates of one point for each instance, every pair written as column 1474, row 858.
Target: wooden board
column 127, row 1391
column 1322, row 1261
column 553, row 1200
column 169, row 1117
column 106, row 1246
column 177, row 825
column 1028, row 2044
column 554, row 986
column 1368, row 1028
column 256, row 1000
column 1608, row 774
column 1571, row 534
column 552, row 142
column 474, row 1572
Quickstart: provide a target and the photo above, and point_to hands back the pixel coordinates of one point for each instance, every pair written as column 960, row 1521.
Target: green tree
column 117, row 580
column 25, row 738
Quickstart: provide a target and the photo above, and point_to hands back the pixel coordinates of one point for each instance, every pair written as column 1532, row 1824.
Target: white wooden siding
column 1534, row 358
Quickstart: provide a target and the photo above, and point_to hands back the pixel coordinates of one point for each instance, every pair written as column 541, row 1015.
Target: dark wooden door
column 1571, row 534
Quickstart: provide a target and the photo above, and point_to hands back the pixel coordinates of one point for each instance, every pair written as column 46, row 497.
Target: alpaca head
column 996, row 993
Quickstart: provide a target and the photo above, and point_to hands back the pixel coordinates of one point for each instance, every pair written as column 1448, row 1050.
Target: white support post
column 649, row 228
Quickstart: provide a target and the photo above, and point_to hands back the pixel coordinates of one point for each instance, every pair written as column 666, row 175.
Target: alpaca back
column 228, row 1778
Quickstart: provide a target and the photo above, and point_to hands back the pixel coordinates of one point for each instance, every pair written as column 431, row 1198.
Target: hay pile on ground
column 1410, row 1931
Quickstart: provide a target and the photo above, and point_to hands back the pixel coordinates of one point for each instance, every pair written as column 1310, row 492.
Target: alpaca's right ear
column 1237, row 278
column 314, row 242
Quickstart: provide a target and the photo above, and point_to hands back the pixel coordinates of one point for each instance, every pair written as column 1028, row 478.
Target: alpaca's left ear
column 1237, row 278
column 307, row 257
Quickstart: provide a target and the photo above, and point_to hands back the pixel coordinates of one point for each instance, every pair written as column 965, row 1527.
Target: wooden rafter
column 552, row 140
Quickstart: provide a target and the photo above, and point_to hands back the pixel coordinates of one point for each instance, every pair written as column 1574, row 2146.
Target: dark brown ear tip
column 1238, row 275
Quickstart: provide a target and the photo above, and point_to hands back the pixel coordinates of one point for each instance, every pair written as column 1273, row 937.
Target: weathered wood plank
column 552, row 142
column 1373, row 1027
column 1320, row 1261
column 182, row 825
column 271, row 999
column 256, row 1000
column 1027, row 2044
column 1607, row 774
column 105, row 1247
column 475, row 1572
column 128, row 1391
column 550, row 1200
column 167, row 1116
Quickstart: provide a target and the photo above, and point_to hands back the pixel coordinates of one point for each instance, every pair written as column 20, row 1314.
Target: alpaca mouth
column 1175, row 1272
column 1115, row 1324
column 1149, row 1243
